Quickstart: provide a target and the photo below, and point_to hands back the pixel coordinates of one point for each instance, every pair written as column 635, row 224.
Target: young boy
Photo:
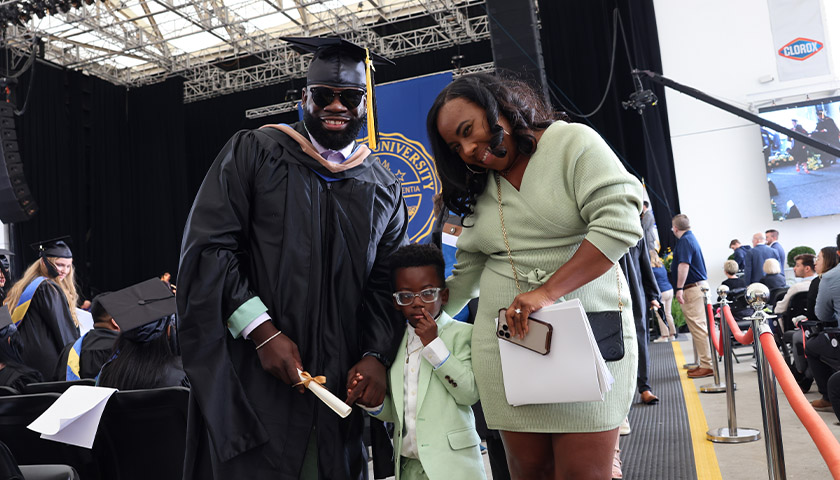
column 431, row 384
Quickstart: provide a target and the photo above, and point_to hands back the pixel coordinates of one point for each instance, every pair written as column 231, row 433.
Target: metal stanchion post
column 715, row 387
column 757, row 294
column 730, row 433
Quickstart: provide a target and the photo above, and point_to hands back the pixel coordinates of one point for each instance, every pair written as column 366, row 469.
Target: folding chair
column 144, row 432
column 56, row 387
column 18, row 411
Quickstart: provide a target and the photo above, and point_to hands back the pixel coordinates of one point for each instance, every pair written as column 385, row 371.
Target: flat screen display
column 803, row 181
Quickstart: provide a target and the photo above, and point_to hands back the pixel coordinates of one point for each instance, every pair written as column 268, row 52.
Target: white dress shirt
column 436, row 354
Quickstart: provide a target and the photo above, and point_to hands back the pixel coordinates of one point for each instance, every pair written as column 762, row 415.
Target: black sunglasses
column 323, row 96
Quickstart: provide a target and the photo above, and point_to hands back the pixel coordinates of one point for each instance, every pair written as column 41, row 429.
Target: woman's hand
column 523, row 305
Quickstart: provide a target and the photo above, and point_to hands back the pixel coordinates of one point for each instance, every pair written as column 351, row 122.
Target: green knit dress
column 574, row 188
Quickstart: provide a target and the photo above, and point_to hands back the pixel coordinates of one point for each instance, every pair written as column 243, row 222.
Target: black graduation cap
column 139, row 304
column 56, row 247
column 339, row 63
column 5, row 317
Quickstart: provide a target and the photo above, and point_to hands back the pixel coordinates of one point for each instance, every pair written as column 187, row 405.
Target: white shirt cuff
column 435, row 353
column 254, row 324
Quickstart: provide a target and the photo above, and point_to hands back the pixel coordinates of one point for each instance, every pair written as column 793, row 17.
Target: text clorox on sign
column 800, row 49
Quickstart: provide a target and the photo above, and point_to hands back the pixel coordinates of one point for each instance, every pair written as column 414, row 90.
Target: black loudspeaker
column 16, row 203
column 516, row 40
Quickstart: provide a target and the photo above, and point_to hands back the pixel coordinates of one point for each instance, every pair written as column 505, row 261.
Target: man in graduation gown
column 85, row 357
column 283, row 266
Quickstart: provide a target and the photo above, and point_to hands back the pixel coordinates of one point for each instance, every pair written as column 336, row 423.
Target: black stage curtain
column 576, row 39
column 105, row 165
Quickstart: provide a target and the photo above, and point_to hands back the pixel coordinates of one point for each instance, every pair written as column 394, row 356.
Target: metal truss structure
column 224, row 46
column 291, row 106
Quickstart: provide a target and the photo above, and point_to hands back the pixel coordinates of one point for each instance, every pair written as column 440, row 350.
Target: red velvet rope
column 743, row 338
column 714, row 333
column 823, row 438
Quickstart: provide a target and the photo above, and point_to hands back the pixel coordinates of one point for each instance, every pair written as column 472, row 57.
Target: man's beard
column 332, row 139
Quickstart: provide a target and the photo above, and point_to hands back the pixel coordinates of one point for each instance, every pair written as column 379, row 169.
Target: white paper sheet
column 74, row 417
column 85, row 321
column 573, row 371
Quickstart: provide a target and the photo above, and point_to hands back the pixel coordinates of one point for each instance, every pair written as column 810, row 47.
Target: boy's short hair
column 418, row 255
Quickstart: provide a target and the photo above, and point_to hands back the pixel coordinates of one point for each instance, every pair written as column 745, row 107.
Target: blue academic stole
column 73, row 358
column 23, row 304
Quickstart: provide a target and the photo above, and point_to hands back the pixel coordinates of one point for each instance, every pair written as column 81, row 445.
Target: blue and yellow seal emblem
column 409, row 161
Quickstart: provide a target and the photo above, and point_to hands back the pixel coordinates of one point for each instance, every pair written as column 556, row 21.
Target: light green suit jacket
column 446, row 437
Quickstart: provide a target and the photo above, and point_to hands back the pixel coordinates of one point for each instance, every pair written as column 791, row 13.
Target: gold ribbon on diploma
column 306, row 379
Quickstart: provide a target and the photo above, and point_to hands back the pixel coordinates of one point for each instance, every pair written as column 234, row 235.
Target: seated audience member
column 435, row 353
column 666, row 332
column 805, row 273
column 828, row 297
column 826, row 260
column 43, row 306
column 823, row 357
column 737, row 287
column 85, row 357
column 733, row 281
column 739, row 252
column 13, row 373
column 773, row 277
column 146, row 354
column 754, row 262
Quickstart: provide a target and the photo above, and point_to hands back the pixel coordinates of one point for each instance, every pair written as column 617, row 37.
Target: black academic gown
column 97, row 348
column 47, row 327
column 265, row 224
column 18, row 376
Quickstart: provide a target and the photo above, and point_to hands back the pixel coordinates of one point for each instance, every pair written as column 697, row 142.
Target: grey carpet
column 659, row 447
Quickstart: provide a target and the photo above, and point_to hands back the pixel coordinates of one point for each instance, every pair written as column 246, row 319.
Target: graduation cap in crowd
column 56, row 247
column 141, row 305
column 339, row 63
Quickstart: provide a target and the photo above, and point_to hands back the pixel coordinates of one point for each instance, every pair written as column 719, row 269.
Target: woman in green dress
column 569, row 210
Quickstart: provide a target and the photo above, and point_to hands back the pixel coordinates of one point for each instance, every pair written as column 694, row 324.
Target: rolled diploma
column 337, row 406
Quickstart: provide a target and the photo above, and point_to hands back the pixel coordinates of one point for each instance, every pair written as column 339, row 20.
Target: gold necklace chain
column 510, row 255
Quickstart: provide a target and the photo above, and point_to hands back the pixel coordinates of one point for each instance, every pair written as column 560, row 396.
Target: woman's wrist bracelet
column 268, row 340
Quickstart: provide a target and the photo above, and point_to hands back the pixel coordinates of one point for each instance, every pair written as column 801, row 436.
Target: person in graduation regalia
column 5, row 273
column 13, row 373
column 146, row 352
column 283, row 267
column 43, row 306
column 85, row 357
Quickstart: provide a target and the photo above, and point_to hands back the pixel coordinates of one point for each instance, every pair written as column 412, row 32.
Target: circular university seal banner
column 409, row 161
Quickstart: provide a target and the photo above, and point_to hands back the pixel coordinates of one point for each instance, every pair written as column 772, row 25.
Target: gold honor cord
column 371, row 122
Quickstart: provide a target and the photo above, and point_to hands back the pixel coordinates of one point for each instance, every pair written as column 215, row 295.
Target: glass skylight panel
column 195, row 42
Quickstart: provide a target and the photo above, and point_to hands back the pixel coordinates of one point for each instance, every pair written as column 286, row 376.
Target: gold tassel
column 371, row 121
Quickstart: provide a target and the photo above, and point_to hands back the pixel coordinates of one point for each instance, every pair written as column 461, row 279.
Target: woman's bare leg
column 530, row 456
column 584, row 456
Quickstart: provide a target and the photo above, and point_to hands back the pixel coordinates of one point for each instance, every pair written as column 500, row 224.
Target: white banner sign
column 798, row 38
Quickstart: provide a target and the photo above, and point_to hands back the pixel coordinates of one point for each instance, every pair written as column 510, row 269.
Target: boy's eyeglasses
column 323, row 96
column 405, row 299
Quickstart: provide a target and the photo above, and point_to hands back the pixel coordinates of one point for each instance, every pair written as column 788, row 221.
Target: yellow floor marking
column 705, row 460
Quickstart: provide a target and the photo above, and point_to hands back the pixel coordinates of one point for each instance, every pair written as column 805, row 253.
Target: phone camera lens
column 507, row 335
column 505, row 327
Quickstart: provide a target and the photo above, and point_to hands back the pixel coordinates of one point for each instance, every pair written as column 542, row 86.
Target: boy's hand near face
column 426, row 328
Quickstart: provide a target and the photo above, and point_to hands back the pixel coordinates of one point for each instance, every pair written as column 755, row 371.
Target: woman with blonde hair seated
column 43, row 306
column 773, row 277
